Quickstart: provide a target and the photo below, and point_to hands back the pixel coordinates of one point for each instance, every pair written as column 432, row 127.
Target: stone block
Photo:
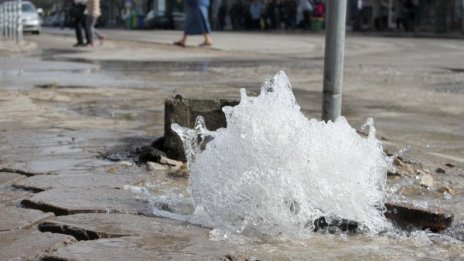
column 90, row 226
column 408, row 216
column 184, row 112
column 7, row 178
column 153, row 247
column 9, row 198
column 67, row 201
column 30, row 244
column 335, row 226
column 14, row 218
column 46, row 182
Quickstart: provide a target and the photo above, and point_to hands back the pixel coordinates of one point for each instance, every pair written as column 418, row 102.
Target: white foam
column 273, row 171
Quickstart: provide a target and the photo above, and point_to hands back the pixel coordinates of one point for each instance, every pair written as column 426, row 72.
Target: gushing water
column 273, row 171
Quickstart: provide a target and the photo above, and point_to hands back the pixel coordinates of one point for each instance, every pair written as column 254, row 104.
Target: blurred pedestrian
column 303, row 15
column 236, row 15
column 319, row 15
column 221, row 17
column 409, row 15
column 255, row 13
column 282, row 11
column 405, row 16
column 196, row 22
column 319, row 9
column 291, row 9
column 272, row 14
column 359, row 5
column 79, row 17
column 93, row 12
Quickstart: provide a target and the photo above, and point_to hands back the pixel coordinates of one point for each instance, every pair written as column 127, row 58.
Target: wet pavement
column 63, row 108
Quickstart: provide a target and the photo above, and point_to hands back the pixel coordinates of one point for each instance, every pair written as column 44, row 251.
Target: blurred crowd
column 362, row 15
column 272, row 14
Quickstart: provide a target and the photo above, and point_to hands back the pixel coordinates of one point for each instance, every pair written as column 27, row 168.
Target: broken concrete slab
column 7, row 178
column 148, row 247
column 30, row 244
column 92, row 226
column 9, row 198
column 67, row 201
column 334, row 226
column 23, row 172
column 408, row 216
column 14, row 218
column 184, row 112
column 46, row 182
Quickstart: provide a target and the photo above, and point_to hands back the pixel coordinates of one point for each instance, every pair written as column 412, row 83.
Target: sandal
column 181, row 44
column 204, row 44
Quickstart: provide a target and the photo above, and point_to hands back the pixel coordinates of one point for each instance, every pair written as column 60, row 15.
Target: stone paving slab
column 67, row 201
column 142, row 248
column 26, row 173
column 12, row 197
column 407, row 215
column 7, row 178
column 30, row 244
column 14, row 218
column 102, row 225
column 46, row 182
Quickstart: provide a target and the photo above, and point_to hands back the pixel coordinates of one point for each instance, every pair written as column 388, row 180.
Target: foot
column 101, row 38
column 89, row 45
column 79, row 45
column 205, row 44
column 179, row 43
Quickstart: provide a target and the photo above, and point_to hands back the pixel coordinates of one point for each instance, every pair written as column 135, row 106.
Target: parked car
column 52, row 19
column 162, row 20
column 31, row 18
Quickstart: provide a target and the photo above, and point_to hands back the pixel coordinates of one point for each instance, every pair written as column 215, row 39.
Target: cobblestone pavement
column 63, row 108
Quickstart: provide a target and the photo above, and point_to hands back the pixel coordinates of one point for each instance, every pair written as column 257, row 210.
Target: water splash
column 273, row 171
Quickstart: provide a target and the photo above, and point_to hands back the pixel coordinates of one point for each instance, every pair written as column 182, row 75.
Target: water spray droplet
column 274, row 171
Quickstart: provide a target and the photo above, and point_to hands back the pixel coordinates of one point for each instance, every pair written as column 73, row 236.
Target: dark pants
column 80, row 23
column 256, row 24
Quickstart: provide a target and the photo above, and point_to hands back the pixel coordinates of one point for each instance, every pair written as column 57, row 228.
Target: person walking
column 255, row 12
column 78, row 15
column 93, row 13
column 196, row 22
column 303, row 14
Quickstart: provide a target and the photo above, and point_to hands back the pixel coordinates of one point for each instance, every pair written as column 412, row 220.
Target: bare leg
column 182, row 41
column 207, row 40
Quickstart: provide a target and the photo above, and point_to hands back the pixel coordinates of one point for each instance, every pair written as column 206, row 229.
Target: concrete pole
column 334, row 57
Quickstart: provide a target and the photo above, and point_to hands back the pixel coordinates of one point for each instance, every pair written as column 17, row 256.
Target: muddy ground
column 63, row 108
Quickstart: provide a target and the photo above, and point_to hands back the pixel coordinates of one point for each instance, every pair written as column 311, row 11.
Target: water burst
column 273, row 171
